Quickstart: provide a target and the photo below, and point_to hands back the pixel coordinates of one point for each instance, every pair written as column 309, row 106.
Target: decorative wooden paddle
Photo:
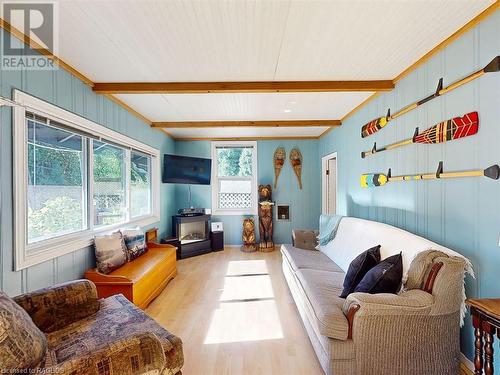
column 449, row 130
column 377, row 124
column 380, row 179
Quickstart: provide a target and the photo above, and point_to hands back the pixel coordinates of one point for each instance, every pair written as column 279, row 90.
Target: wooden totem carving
column 248, row 236
column 265, row 218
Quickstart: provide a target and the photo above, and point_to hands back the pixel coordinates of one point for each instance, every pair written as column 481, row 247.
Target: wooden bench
column 142, row 279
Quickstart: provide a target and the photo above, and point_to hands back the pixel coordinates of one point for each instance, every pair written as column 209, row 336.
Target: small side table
column 217, row 239
column 486, row 322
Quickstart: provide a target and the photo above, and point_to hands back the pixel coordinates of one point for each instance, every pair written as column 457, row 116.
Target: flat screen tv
column 186, row 170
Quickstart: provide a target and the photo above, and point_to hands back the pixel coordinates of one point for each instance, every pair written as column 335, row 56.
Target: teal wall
column 305, row 204
column 463, row 214
column 62, row 89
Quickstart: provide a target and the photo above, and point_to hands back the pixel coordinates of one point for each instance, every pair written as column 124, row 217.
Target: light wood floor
column 235, row 315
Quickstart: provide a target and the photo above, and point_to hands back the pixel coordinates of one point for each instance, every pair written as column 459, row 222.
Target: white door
column 329, row 184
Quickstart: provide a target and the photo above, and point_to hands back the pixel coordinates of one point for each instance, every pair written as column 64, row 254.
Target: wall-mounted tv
column 186, row 170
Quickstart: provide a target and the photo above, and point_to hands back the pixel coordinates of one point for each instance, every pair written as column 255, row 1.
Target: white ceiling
column 243, row 40
column 226, row 107
column 188, row 40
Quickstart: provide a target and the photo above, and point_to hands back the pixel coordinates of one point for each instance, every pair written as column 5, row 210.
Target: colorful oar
column 449, row 130
column 380, row 179
column 377, row 124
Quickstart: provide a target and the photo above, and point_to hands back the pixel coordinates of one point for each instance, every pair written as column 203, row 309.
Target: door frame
column 324, row 166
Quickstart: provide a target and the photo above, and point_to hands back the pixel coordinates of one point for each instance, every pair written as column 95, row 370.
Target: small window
column 234, row 187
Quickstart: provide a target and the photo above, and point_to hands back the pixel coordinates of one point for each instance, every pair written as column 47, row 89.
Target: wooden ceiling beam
column 258, row 138
column 240, row 124
column 239, row 87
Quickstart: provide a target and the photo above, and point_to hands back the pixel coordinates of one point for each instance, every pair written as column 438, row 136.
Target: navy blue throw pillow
column 358, row 269
column 385, row 277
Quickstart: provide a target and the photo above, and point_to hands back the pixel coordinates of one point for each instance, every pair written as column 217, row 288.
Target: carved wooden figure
column 265, row 218
column 248, row 236
column 265, row 193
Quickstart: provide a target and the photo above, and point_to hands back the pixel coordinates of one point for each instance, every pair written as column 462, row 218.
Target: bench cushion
column 110, row 252
column 311, row 259
column 135, row 243
column 322, row 289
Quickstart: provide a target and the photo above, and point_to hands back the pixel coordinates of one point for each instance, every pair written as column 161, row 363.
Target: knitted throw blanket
column 328, row 225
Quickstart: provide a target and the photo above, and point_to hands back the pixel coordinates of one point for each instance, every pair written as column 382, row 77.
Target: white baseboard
column 467, row 362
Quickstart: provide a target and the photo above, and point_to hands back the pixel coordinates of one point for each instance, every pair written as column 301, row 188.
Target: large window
column 74, row 178
column 234, row 170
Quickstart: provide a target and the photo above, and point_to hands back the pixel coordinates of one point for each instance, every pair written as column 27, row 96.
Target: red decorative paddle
column 377, row 124
column 449, row 130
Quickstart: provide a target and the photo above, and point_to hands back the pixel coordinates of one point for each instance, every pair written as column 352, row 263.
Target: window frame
column 215, row 179
column 130, row 183
column 126, row 174
column 26, row 255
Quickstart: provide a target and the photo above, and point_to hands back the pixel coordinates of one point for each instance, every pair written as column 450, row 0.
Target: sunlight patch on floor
column 247, row 287
column 246, row 267
column 245, row 321
column 247, row 310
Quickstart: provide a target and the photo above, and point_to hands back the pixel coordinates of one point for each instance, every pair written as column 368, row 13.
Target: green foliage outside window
column 57, row 215
column 139, row 173
column 234, row 161
column 54, row 167
column 108, row 164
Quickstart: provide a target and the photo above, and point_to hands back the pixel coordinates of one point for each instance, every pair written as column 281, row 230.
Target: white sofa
column 414, row 332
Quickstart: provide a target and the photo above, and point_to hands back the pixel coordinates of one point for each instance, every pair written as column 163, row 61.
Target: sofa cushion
column 110, row 252
column 22, row 344
column 385, row 277
column 337, row 349
column 358, row 269
column 305, row 239
column 300, row 258
column 117, row 319
column 322, row 289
